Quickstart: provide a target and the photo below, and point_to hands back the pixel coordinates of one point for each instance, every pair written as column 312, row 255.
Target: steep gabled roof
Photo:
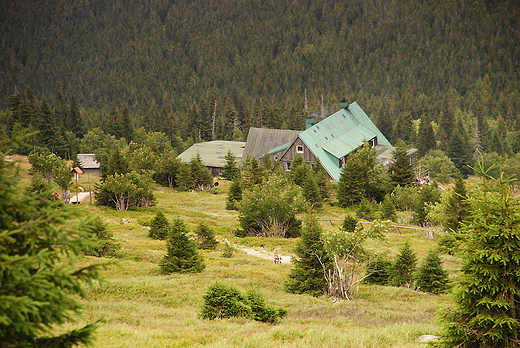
column 339, row 134
column 261, row 140
column 213, row 153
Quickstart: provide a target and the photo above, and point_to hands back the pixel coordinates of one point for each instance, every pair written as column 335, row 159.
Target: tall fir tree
column 44, row 275
column 430, row 276
column 75, row 124
column 425, row 136
column 307, row 276
column 401, row 170
column 159, row 227
column 234, row 195
column 182, row 255
column 311, row 192
column 486, row 311
column 359, row 177
column 231, row 170
column 404, row 267
column 459, row 150
column 457, row 208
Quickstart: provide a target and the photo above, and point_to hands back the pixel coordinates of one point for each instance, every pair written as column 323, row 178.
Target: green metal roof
column 213, row 153
column 339, row 134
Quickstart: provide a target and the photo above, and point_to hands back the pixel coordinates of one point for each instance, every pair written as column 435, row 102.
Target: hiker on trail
column 67, row 196
column 56, row 196
column 277, row 259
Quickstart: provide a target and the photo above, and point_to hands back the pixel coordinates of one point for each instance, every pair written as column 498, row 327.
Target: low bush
column 224, row 301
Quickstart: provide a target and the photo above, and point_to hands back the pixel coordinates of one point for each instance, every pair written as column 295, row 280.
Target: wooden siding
column 308, row 156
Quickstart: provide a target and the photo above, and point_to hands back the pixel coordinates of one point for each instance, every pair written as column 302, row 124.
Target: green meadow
column 137, row 306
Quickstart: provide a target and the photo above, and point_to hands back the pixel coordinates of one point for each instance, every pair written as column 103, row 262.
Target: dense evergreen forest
column 202, row 70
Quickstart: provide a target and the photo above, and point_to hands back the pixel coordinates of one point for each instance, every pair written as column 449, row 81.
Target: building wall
column 91, row 170
column 292, row 151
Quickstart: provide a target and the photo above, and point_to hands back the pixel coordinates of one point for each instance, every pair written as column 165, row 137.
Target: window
column 299, row 149
column 288, row 166
column 373, row 142
column 341, row 162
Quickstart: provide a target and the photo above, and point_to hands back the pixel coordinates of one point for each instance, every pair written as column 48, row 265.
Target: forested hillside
column 268, row 63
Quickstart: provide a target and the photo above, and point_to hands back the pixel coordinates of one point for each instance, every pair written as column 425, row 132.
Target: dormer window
column 299, row 149
column 373, row 142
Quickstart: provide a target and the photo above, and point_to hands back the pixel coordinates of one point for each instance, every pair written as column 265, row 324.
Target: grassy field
column 137, row 306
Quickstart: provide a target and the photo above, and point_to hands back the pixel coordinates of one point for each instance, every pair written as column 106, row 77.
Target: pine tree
column 388, row 210
column 486, row 311
column 459, row 150
column 349, row 224
column 230, row 171
column 311, row 192
column 403, row 267
column 234, row 195
column 360, row 177
column 307, row 275
column 205, row 237
column 124, row 125
column 182, row 255
column 321, row 179
column 299, row 170
column 253, row 173
column 457, row 208
column 75, row 124
column 401, row 170
column 199, row 174
column 430, row 276
column 425, row 136
column 41, row 285
column 159, row 226
column 104, row 239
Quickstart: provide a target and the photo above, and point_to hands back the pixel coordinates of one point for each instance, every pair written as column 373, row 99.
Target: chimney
column 343, row 104
column 309, row 122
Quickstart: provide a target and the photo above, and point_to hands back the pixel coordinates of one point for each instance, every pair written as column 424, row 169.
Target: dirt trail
column 265, row 255
column 83, row 198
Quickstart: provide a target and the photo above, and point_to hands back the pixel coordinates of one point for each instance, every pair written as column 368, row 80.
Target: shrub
column 260, row 311
column 159, row 227
column 365, row 210
column 349, row 224
column 270, row 209
column 378, row 272
column 224, row 301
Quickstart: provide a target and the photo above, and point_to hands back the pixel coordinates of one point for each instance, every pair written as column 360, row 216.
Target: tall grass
column 137, row 306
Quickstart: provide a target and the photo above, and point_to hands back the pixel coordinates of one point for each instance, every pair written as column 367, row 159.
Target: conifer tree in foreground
column 307, row 275
column 40, row 282
column 486, row 311
column 182, row 255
